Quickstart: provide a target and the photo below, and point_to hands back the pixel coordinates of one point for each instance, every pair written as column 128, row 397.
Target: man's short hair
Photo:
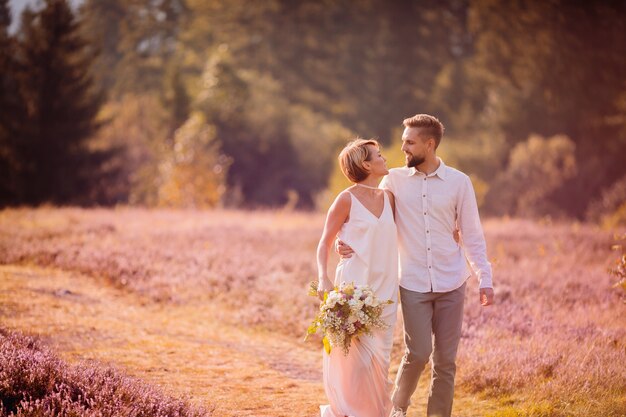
column 351, row 159
column 430, row 126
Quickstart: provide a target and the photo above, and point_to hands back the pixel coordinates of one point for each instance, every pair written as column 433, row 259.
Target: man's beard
column 414, row 161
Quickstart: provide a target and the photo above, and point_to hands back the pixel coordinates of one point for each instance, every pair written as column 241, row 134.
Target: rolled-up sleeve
column 472, row 234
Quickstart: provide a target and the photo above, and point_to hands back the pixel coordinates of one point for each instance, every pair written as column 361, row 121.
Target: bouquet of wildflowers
column 347, row 312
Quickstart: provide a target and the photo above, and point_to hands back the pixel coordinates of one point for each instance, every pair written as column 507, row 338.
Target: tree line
column 199, row 103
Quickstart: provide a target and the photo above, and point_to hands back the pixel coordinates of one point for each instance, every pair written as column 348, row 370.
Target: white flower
column 355, row 304
column 340, row 329
column 362, row 317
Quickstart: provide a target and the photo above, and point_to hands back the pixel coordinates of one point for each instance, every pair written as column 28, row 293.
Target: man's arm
column 474, row 241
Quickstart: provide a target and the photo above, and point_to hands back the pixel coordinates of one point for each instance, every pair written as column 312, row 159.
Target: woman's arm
column 337, row 215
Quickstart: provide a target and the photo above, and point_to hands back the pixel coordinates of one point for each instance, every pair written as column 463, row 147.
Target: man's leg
column 447, row 321
column 417, row 311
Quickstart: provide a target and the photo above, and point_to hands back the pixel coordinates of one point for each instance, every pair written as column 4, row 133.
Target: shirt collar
column 440, row 171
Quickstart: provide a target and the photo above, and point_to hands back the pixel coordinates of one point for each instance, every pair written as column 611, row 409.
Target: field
column 209, row 308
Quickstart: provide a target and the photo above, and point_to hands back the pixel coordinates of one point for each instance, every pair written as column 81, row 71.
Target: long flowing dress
column 358, row 385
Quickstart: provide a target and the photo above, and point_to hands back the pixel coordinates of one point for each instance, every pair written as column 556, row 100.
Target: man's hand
column 486, row 296
column 342, row 249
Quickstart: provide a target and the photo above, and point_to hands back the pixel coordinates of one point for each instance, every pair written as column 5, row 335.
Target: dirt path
column 185, row 349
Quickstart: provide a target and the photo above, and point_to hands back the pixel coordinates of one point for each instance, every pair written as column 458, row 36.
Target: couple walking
column 415, row 213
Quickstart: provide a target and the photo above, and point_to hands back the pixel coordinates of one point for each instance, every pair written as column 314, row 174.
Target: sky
column 18, row 5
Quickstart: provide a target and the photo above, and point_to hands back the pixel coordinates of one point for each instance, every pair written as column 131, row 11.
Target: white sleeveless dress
column 358, row 385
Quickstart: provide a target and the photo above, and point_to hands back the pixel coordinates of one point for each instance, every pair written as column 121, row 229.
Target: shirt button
column 428, row 248
column 428, row 231
column 430, row 267
column 423, row 195
column 424, row 178
column 424, row 213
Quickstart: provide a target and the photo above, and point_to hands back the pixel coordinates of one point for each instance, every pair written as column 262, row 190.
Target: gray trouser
column 432, row 324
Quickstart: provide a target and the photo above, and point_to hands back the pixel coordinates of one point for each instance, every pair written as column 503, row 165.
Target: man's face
column 414, row 147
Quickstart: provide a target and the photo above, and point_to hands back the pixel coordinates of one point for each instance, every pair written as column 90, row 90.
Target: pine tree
column 5, row 147
column 176, row 99
column 11, row 111
column 101, row 23
column 148, row 37
column 57, row 86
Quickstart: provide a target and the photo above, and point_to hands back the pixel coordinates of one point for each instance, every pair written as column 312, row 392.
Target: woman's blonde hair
column 351, row 159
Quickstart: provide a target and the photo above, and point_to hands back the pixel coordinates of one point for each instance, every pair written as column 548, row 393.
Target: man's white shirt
column 428, row 210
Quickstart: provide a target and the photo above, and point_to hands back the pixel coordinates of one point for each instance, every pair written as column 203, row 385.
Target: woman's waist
column 386, row 280
column 371, row 265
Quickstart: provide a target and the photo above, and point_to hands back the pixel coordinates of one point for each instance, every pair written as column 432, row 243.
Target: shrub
column 610, row 209
column 194, row 176
column 537, row 168
column 34, row 382
column 619, row 271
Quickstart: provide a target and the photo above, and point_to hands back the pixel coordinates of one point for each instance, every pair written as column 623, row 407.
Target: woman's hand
column 324, row 285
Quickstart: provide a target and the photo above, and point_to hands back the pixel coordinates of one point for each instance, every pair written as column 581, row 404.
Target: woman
column 357, row 385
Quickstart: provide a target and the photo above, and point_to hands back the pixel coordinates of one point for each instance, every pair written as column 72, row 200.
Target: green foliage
column 285, row 83
column 610, row 209
column 138, row 40
column 556, row 68
column 316, row 141
column 536, row 168
column 102, row 23
column 137, row 127
column 478, row 154
column 12, row 111
column 252, row 123
column 57, row 89
column 280, row 151
column 175, row 99
column 619, row 270
column 194, row 175
column 615, row 219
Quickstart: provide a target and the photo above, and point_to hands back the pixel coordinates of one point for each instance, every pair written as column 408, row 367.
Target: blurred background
column 204, row 103
column 232, row 104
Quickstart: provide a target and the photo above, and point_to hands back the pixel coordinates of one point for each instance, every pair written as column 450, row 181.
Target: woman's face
column 377, row 165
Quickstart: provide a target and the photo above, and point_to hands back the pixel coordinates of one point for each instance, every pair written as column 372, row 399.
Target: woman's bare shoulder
column 343, row 199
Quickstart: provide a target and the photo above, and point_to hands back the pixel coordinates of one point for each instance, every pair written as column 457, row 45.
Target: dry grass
column 177, row 256
column 183, row 348
column 212, row 304
column 34, row 382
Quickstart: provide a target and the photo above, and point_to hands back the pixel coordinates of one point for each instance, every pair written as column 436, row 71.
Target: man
column 432, row 202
